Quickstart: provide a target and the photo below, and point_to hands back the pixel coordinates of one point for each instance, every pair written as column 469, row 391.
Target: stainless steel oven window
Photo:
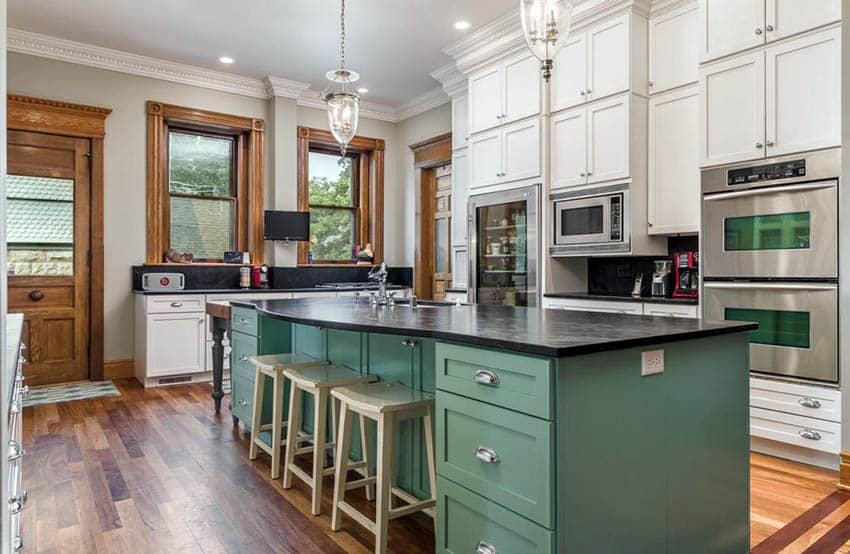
column 786, row 231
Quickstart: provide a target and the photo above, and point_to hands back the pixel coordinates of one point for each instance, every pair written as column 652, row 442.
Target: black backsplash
column 226, row 277
column 616, row 276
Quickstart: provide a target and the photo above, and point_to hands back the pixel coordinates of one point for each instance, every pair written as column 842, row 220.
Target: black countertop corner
column 550, row 333
column 619, row 298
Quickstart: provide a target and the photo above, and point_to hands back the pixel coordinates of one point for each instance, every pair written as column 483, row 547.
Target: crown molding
column 660, row 7
column 424, row 102
column 450, row 77
column 285, row 88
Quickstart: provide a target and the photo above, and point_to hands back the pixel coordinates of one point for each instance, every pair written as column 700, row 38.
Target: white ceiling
column 393, row 44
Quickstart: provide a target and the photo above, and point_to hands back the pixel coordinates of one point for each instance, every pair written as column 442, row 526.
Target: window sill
column 198, row 264
column 335, row 265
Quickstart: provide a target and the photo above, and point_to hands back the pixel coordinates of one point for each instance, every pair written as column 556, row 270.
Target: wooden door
column 608, row 147
column 609, row 54
column 729, row 26
column 442, row 198
column 48, row 190
column 569, row 74
column 788, row 17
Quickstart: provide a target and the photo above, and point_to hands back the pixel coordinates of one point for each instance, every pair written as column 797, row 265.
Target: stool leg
column 367, row 456
column 259, row 389
column 334, row 420
column 429, row 450
column 292, row 427
column 386, row 435
column 343, row 442
column 320, row 422
column 277, row 423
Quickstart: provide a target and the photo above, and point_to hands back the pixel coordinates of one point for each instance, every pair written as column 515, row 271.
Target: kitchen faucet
column 378, row 274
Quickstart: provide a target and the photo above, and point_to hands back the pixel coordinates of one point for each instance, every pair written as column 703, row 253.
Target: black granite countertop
column 551, row 333
column 262, row 291
column 615, row 298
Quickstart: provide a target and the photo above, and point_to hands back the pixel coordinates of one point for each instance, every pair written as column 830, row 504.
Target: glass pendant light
column 546, row 26
column 343, row 106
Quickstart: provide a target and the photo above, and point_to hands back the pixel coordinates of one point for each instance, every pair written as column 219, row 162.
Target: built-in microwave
column 591, row 222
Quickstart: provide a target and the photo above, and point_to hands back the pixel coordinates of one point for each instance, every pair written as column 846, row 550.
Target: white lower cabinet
column 671, row 310
column 175, row 344
column 623, row 307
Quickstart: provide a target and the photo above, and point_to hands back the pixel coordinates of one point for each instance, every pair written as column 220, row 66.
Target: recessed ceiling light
column 226, row 60
column 362, row 90
column 461, row 25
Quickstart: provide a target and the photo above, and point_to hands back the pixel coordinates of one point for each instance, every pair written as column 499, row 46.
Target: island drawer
column 244, row 320
column 502, row 455
column 470, row 523
column 242, row 400
column 242, row 348
column 801, row 431
column 521, row 383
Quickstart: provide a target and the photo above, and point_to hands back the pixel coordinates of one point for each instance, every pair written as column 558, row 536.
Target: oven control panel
column 770, row 172
column 617, row 217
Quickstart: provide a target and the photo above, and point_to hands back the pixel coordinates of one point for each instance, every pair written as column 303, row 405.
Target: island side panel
column 658, row 463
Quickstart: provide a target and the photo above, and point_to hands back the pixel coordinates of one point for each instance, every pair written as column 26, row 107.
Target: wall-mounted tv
column 284, row 225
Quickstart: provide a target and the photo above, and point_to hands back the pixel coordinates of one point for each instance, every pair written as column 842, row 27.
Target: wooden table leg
column 218, row 328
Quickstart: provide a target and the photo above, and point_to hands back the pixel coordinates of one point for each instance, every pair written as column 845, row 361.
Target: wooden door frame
column 52, row 117
column 427, row 156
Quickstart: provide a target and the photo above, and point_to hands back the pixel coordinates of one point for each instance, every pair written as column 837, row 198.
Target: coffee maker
column 661, row 278
column 687, row 274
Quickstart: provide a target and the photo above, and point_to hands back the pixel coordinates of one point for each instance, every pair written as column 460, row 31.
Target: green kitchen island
column 556, row 431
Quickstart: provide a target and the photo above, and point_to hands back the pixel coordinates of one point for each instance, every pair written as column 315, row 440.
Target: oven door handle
column 767, row 190
column 766, row 286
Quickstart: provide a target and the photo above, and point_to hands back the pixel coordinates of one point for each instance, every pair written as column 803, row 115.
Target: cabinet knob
column 242, row 402
column 759, row 31
column 485, row 548
column 589, row 91
column 759, row 145
column 650, row 84
column 36, row 295
column 583, row 93
column 583, row 174
column 770, row 143
column 487, row 455
column 243, row 357
column 243, row 321
column 808, row 402
column 589, row 173
column 810, row 434
column 177, row 304
column 769, row 28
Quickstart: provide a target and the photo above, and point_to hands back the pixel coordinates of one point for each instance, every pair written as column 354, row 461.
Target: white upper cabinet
column 486, row 158
column 608, row 140
column 732, row 110
column 504, row 92
column 788, row 17
column 569, row 76
column 804, row 93
column 569, row 148
column 460, row 196
column 674, row 177
column 608, row 68
column 673, row 52
column 460, row 121
column 508, row 154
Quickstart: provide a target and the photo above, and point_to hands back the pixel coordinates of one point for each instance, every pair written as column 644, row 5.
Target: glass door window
column 789, row 231
column 503, row 254
column 776, row 327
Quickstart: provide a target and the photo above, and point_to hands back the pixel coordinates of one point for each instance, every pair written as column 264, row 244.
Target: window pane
column 40, row 225
column 331, row 234
column 201, row 227
column 331, row 181
column 441, row 245
column 776, row 328
column 200, row 165
column 768, row 232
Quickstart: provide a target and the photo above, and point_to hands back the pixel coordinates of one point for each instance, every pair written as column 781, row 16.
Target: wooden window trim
column 249, row 139
column 370, row 179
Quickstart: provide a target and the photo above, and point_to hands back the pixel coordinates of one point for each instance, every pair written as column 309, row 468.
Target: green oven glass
column 789, row 231
column 776, row 327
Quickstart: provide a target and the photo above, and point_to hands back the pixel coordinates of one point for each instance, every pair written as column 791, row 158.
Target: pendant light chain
column 342, row 36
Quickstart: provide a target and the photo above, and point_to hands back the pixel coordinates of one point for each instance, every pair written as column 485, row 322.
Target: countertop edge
column 259, row 291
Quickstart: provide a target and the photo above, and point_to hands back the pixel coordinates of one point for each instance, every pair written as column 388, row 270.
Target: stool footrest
column 411, row 508
column 357, row 516
column 301, row 474
column 349, row 485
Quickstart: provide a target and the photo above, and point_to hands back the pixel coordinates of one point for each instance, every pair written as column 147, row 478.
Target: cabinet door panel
column 804, row 93
column 732, row 110
column 608, row 140
column 175, row 343
column 568, row 155
column 674, row 178
column 788, row 17
column 673, row 52
column 569, row 74
column 521, row 150
column 460, row 195
column 485, row 99
column 608, row 67
column 460, row 121
column 486, row 159
column 522, row 88
column 728, row 26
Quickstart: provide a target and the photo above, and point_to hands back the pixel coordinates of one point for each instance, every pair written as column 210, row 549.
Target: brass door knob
column 36, row 295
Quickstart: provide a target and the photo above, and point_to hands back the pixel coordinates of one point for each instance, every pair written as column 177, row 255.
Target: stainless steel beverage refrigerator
column 504, row 258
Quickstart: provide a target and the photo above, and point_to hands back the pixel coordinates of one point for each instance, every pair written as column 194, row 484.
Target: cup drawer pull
column 243, row 357
column 177, row 304
column 809, row 402
column 486, row 377
column 243, row 321
column 487, row 455
column 810, row 434
column 485, row 548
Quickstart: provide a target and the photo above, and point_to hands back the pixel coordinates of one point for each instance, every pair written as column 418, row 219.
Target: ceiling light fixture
column 226, row 60
column 362, row 90
column 546, row 26
column 461, row 25
column 343, row 106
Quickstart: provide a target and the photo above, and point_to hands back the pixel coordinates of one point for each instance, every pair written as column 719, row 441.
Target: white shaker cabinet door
column 522, row 87
column 485, row 151
column 732, row 110
column 175, row 343
column 788, row 17
column 729, row 26
column 460, row 196
column 568, row 148
column 460, row 121
column 673, row 52
column 485, row 99
column 569, row 74
column 804, row 93
column 608, row 140
column 674, row 176
column 521, row 142
column 609, row 52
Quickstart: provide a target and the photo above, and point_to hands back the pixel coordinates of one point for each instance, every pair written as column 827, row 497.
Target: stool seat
column 382, row 397
column 269, row 363
column 325, row 376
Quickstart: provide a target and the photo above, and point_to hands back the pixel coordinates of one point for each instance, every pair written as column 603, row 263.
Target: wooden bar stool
column 272, row 366
column 387, row 404
column 318, row 381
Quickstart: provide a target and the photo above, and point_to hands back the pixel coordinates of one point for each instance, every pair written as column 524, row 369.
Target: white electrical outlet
column 651, row 362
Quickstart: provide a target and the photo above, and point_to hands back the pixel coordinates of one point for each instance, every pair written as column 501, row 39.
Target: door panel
column 788, row 17
column 522, row 151
column 486, row 159
column 522, row 88
column 569, row 148
column 728, row 26
column 609, row 52
column 673, row 52
column 485, row 100
column 569, row 74
column 48, row 199
column 608, row 140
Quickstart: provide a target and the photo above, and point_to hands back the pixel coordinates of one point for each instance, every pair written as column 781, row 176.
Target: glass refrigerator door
column 502, row 255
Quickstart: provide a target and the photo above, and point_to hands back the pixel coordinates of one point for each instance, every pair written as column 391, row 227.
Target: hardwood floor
column 157, row 471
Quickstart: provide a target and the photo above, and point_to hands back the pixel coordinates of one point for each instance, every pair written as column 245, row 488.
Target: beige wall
column 124, row 165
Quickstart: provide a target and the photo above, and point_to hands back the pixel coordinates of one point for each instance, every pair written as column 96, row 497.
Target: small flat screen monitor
column 281, row 225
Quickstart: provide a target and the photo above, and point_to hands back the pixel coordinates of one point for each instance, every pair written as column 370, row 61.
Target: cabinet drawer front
column 805, row 432
column 802, row 400
column 670, row 310
column 500, row 454
column 467, row 520
column 242, row 348
column 244, row 320
column 521, row 383
column 157, row 304
column 242, row 399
